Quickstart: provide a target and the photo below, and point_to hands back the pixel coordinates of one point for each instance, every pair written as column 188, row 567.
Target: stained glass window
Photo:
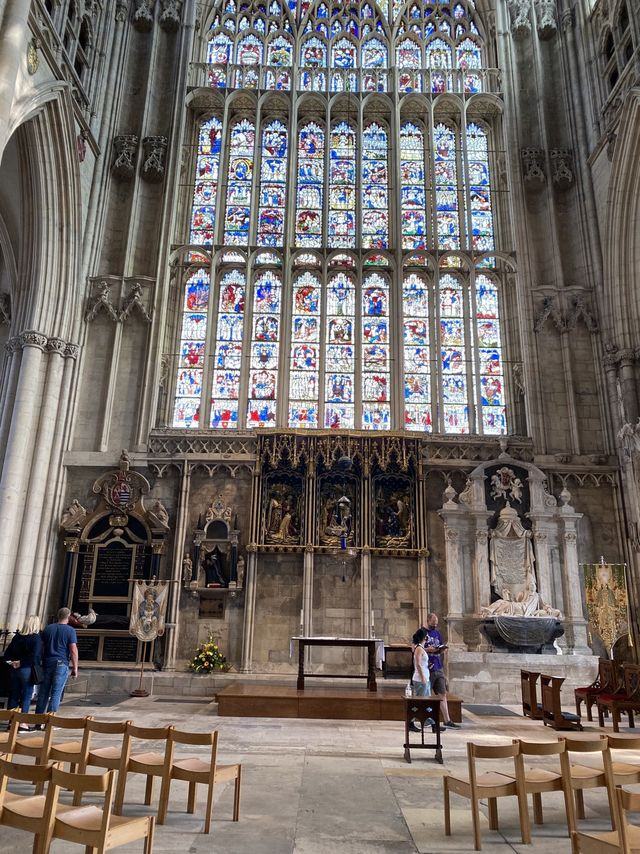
column 446, row 187
column 273, row 184
column 490, row 357
column 340, row 353
column 228, row 353
column 417, row 353
column 468, row 58
column 479, row 189
column 342, row 186
column 310, row 185
column 203, row 215
column 186, row 412
column 376, row 379
column 413, row 196
column 453, row 354
column 439, row 60
column 265, row 339
column 304, row 376
column 375, row 188
column 409, row 61
column 239, row 181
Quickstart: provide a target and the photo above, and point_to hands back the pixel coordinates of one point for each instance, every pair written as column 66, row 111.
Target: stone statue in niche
column 240, row 572
column 213, row 566
column 187, row 569
column 512, row 573
column 282, row 517
column 338, row 521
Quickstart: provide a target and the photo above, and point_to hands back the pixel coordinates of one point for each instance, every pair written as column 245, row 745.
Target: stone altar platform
column 494, row 677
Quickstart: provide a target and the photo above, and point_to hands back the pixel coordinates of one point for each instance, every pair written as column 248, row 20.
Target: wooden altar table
column 371, row 644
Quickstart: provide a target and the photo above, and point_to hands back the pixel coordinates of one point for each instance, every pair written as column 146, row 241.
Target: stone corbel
column 126, row 146
column 143, row 15
column 155, row 150
column 546, row 22
column 533, row 167
column 562, row 168
column 135, row 302
column 549, row 311
column 520, row 17
column 122, row 10
column 579, row 311
column 5, row 310
column 171, row 15
column 101, row 302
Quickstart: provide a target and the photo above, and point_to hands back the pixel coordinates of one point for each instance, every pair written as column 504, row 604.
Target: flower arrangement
column 208, row 657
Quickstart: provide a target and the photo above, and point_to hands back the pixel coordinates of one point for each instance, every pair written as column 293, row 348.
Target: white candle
column 372, row 620
column 302, row 617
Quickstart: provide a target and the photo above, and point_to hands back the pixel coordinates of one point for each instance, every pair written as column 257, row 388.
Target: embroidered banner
column 606, row 597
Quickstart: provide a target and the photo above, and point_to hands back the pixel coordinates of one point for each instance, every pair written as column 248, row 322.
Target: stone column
column 628, row 388
column 182, row 518
column 574, row 621
column 249, row 609
column 13, row 41
column 15, row 474
column 481, row 570
column 33, row 516
column 453, row 562
column 14, row 351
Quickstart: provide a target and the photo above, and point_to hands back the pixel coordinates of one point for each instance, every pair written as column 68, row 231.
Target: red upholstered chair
column 608, row 681
column 627, row 700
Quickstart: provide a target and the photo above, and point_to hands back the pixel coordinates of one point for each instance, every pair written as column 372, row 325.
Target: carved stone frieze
column 155, row 150
column 533, row 165
column 549, row 311
column 135, row 303
column 562, row 167
column 171, row 15
column 546, row 22
column 101, row 301
column 5, row 310
column 520, row 17
column 143, row 15
column 126, row 146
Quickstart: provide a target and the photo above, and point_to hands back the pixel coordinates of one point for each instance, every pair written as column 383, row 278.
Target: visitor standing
column 23, row 654
column 59, row 658
column 435, row 646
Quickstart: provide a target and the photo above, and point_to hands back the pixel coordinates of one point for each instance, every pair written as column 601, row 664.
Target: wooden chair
column 26, row 812
column 624, row 840
column 8, row 736
column 150, row 763
column 552, row 714
column 196, row 770
column 606, row 682
column 97, row 828
column 580, row 777
column 627, row 700
column 624, row 773
column 490, row 785
column 30, row 744
column 110, row 757
column 530, row 706
column 69, row 751
column 537, row 780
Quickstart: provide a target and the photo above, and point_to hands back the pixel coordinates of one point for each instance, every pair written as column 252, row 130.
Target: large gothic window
column 343, row 267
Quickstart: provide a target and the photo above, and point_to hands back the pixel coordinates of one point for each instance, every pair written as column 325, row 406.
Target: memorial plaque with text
column 87, row 647
column 113, row 569
column 119, row 649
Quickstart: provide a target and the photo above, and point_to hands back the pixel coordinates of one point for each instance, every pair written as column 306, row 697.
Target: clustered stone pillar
column 182, row 518
column 13, row 41
column 251, row 574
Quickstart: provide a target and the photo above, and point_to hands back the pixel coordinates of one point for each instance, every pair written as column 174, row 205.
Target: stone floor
column 319, row 787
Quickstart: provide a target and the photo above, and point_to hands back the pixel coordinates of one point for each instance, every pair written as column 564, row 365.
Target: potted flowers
column 208, row 657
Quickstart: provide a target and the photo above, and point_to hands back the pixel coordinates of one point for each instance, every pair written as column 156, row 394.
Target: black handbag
column 37, row 674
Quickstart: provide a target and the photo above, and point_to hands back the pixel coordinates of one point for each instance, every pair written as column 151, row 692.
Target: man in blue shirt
column 435, row 645
column 59, row 657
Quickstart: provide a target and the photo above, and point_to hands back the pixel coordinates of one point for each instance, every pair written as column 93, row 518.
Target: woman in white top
column 420, row 678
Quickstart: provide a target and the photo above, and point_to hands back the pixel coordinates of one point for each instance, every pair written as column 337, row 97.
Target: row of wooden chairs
column 570, row 778
column 615, row 691
column 95, row 827
column 549, row 710
column 126, row 757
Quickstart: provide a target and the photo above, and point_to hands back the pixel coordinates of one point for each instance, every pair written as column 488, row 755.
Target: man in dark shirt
column 59, row 657
column 434, row 645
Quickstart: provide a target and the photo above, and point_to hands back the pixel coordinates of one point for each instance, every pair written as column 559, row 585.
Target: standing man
column 59, row 656
column 434, row 645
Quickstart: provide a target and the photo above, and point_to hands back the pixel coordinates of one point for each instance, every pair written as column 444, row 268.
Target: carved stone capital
column 143, row 15
column 533, row 167
column 452, row 535
column 56, row 345
column 252, row 547
column 101, row 301
column 31, row 338
column 171, row 15
column 155, row 150
column 72, row 351
column 562, row 167
column 122, row 10
column 13, row 344
column 626, row 358
column 135, row 302
column 570, row 537
column 546, row 23
column 126, row 147
column 520, row 17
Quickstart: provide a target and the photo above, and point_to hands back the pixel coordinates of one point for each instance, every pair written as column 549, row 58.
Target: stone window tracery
column 374, row 301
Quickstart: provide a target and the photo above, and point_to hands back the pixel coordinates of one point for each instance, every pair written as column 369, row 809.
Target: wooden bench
column 608, row 681
column 552, row 714
column 531, row 708
column 627, row 700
